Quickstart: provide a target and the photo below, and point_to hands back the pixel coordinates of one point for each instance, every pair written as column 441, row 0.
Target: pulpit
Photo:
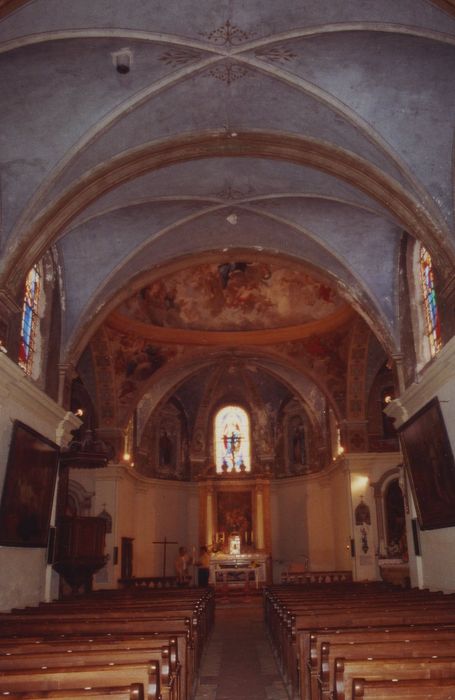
column 79, row 550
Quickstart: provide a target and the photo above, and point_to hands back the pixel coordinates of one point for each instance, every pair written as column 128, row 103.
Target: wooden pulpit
column 79, row 550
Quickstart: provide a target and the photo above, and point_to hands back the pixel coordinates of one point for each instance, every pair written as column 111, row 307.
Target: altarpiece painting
column 235, row 516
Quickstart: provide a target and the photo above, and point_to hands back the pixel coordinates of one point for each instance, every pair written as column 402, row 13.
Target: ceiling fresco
column 233, row 296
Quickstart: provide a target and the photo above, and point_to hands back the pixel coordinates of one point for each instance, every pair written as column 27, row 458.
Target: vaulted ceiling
column 147, row 137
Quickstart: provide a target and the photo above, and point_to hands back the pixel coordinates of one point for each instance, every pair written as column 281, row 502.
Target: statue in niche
column 166, row 456
column 168, row 446
column 297, row 443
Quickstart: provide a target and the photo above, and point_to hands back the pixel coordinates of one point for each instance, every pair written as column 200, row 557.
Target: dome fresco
column 233, row 296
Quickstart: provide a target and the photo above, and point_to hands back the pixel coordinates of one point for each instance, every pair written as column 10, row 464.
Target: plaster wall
column 309, row 521
column 435, row 568
column 25, row 577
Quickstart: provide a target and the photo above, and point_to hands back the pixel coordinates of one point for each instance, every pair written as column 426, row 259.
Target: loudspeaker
column 51, row 546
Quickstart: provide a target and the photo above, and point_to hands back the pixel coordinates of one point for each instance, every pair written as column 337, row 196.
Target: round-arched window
column 232, row 440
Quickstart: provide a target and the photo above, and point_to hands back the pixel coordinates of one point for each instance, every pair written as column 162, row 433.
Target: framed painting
column 431, row 467
column 235, row 515
column 28, row 489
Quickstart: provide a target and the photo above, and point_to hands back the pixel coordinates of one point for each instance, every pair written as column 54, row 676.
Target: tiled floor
column 238, row 663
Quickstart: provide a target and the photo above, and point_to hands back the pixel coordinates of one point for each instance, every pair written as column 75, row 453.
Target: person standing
column 203, row 564
column 182, row 563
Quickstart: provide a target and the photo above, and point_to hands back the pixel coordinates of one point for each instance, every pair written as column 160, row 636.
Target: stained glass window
column 429, row 297
column 29, row 319
column 232, row 440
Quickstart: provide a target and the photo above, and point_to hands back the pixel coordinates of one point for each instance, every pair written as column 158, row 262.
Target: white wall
column 25, row 578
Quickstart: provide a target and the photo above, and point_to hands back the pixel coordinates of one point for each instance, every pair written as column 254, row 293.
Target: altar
column 240, row 570
column 235, row 527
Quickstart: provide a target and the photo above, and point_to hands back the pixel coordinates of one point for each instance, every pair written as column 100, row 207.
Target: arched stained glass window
column 232, row 440
column 30, row 319
column 429, row 298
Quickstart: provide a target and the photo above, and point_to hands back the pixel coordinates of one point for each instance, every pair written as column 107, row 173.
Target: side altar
column 234, row 518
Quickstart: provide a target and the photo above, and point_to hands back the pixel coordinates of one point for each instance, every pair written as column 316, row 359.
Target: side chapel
column 227, row 289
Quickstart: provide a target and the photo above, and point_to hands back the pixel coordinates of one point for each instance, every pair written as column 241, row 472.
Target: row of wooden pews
column 123, row 644
column 348, row 640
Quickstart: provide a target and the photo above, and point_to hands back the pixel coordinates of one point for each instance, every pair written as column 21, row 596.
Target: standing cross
column 165, row 542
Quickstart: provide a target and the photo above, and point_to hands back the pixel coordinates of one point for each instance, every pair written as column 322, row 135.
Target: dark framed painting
column 431, row 467
column 28, row 489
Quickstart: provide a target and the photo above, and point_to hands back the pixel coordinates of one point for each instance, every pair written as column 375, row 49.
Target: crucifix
column 165, row 542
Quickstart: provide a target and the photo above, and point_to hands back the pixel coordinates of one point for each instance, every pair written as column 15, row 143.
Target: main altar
column 235, row 526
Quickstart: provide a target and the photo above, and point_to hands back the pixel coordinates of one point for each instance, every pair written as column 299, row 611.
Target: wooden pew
column 290, row 617
column 427, row 646
column 346, row 670
column 297, row 643
column 28, row 638
column 409, row 689
column 88, row 676
column 188, row 615
column 120, row 627
column 129, row 692
column 57, row 658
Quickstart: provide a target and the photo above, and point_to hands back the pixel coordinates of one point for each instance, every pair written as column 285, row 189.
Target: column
column 209, row 512
column 259, row 518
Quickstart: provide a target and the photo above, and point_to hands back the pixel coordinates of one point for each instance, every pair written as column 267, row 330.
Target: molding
column 187, row 336
column 367, row 460
column 8, row 302
column 437, row 374
column 19, row 390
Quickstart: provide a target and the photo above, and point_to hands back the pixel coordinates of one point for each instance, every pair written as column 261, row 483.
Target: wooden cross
column 165, row 542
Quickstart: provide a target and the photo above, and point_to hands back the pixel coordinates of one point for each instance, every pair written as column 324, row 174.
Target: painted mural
column 327, row 357
column 135, row 360
column 232, row 296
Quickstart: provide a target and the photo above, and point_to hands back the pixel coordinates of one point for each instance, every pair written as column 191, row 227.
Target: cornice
column 18, row 389
column 433, row 379
column 122, row 472
column 183, row 336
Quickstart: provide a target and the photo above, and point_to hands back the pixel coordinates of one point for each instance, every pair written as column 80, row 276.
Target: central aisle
column 238, row 663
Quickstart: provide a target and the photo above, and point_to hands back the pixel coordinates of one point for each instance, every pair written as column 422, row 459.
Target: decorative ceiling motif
column 228, row 34
column 276, row 52
column 228, row 72
column 179, row 56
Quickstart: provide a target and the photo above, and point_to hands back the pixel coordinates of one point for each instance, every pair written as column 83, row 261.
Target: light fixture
column 122, row 60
